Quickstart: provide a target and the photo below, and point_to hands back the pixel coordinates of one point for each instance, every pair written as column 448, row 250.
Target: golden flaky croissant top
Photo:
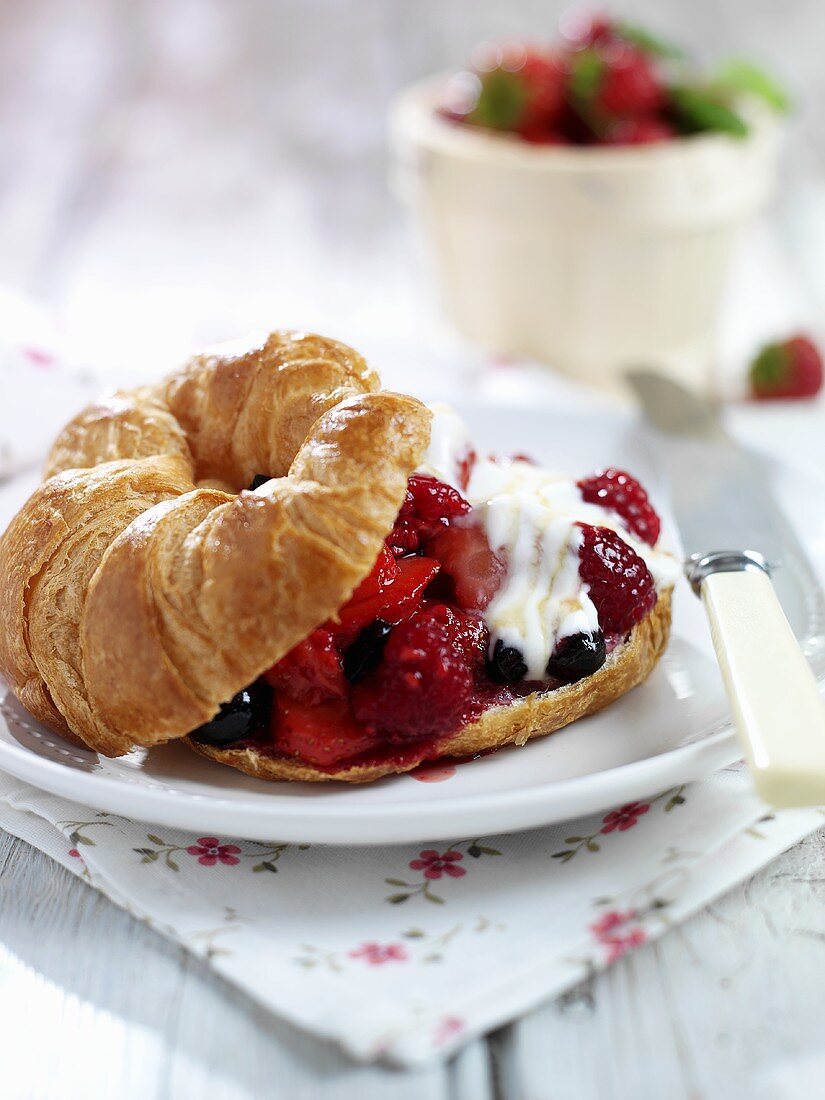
column 142, row 585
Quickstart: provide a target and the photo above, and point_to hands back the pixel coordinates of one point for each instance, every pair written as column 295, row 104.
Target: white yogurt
column 450, row 444
column 531, row 516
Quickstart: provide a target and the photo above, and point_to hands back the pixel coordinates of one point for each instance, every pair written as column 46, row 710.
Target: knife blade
column 737, row 541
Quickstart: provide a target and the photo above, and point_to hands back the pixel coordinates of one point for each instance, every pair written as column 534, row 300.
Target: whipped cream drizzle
column 531, row 516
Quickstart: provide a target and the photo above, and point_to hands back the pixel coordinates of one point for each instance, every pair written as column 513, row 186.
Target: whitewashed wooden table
column 177, row 170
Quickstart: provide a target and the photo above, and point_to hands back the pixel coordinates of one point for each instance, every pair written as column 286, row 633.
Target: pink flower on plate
column 210, row 851
column 74, row 853
column 376, row 954
column 435, row 864
column 625, row 817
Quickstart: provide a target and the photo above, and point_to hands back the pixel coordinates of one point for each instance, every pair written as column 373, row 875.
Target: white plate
column 671, row 730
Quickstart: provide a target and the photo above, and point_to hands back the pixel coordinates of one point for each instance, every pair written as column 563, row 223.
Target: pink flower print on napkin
column 447, row 1028
column 625, row 817
column 434, row 864
column 210, row 851
column 612, row 932
column 376, row 954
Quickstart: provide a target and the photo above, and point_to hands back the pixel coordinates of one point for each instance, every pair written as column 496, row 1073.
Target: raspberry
column 429, row 505
column 311, row 672
column 621, row 493
column 619, row 583
column 792, row 368
column 429, row 498
column 425, row 683
column 638, row 131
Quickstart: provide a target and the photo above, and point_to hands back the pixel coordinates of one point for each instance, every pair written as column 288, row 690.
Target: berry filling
column 619, row 582
column 410, row 658
column 624, row 495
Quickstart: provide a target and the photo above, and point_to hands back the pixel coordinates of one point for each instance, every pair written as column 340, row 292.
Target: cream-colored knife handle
column 777, row 707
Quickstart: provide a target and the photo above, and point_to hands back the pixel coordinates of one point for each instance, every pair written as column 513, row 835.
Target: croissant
column 143, row 584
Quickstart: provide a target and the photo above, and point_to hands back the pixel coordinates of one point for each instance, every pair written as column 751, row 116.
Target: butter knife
column 737, row 544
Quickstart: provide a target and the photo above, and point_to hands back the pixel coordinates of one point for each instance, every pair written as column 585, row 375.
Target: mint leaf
column 647, row 42
column 700, row 109
column 586, row 74
column 737, row 77
column 770, row 369
column 501, row 101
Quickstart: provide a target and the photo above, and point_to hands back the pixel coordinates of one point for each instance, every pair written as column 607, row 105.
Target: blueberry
column 578, row 656
column 366, row 651
column 241, row 717
column 258, row 480
column 506, row 664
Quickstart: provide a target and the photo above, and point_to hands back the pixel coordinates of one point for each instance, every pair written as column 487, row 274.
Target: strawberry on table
column 787, row 369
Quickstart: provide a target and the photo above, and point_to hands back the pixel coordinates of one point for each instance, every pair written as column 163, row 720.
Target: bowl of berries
column 581, row 202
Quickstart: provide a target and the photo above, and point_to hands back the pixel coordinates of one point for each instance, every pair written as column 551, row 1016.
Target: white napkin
column 397, row 953
column 404, row 953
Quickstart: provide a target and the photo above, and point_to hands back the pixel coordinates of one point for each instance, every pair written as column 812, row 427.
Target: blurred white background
column 177, row 171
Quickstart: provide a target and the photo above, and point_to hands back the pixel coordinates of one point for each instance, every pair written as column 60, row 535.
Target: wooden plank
column 228, row 1048
column 471, row 1074
column 718, row 1006
column 88, row 996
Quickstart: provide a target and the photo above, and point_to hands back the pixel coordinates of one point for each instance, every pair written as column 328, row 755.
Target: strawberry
column 312, row 671
column 544, row 79
column 522, row 94
column 395, row 601
column 616, row 96
column 321, row 734
column 384, row 572
column 792, row 368
column 466, row 558
column 638, row 131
